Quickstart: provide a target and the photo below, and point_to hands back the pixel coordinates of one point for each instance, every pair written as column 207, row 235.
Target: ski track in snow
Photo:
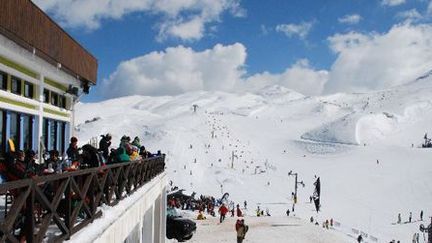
column 338, row 137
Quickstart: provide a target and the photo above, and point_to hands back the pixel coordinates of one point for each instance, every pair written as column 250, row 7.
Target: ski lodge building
column 43, row 72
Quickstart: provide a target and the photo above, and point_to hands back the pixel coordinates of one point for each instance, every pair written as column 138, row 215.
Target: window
column 46, row 96
column 3, row 80
column 62, row 101
column 52, row 135
column 2, row 133
column 54, row 99
column 45, row 132
column 14, row 128
column 27, row 129
column 61, row 137
column 28, row 90
column 16, row 85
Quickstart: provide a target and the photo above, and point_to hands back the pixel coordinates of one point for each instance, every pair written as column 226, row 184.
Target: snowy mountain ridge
column 363, row 146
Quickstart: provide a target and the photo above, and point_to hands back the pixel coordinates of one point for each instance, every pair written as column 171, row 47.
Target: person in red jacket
column 223, row 210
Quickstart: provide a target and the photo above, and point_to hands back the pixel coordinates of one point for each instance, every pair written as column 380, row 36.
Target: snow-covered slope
column 338, row 137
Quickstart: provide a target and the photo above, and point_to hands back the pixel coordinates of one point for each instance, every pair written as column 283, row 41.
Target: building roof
column 28, row 26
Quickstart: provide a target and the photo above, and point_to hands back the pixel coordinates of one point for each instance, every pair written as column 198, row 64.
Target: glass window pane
column 28, row 90
column 46, row 96
column 53, row 135
column 54, row 99
column 2, row 132
column 63, row 144
column 60, row 137
column 27, row 132
column 3, row 81
column 16, row 85
column 13, row 131
column 45, row 133
column 62, row 101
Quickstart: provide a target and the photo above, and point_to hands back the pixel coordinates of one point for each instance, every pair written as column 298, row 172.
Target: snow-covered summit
column 363, row 146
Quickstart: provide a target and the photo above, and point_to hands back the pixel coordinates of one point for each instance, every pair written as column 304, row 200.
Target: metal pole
column 232, row 160
column 295, row 193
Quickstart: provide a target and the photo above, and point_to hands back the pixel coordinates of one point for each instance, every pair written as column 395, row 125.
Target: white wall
column 143, row 210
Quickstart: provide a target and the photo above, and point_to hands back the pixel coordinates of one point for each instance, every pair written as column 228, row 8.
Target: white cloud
column 376, row 61
column 301, row 30
column 363, row 62
column 177, row 70
column 392, row 3
column 350, row 19
column 180, row 69
column 185, row 30
column 410, row 15
column 184, row 19
column 300, row 77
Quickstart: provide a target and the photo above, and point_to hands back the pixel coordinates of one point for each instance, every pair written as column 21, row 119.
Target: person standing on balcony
column 73, row 152
column 104, row 145
column 136, row 142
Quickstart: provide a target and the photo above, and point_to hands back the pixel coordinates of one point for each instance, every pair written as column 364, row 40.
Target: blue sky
column 287, row 43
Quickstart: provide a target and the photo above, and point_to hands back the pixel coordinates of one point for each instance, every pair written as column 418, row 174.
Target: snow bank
column 339, row 131
column 374, row 128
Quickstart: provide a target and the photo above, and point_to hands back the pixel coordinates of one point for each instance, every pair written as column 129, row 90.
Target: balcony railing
column 54, row 207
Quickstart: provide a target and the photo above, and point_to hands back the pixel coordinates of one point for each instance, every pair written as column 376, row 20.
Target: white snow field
column 266, row 229
column 338, row 137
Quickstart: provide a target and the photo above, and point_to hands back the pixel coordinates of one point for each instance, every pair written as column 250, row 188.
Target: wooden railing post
column 68, row 208
column 91, row 194
column 29, row 221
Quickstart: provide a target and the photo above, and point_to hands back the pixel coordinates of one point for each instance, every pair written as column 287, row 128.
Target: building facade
column 43, row 72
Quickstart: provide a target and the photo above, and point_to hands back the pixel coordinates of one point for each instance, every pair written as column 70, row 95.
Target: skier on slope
column 223, row 210
column 238, row 211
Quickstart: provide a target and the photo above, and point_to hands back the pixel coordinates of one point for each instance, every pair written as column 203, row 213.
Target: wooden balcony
column 54, row 207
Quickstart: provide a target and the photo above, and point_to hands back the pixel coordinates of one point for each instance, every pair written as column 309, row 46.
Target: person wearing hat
column 144, row 153
column 104, row 145
column 136, row 142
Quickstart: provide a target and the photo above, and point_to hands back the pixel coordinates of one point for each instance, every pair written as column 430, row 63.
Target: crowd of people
column 20, row 164
column 202, row 204
column 208, row 204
